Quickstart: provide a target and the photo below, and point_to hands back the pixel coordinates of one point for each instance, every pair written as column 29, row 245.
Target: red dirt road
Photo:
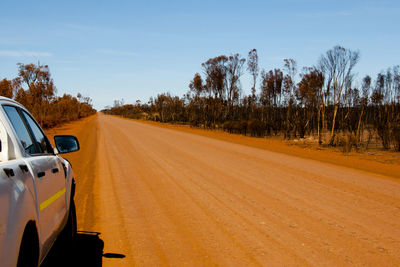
column 163, row 197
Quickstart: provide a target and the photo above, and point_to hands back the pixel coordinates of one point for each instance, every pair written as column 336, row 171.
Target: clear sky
column 136, row 49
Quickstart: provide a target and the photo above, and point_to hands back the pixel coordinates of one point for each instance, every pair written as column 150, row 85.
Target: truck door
column 47, row 170
column 6, row 199
column 15, row 182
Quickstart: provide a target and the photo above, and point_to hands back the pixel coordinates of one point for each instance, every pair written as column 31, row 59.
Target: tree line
column 34, row 88
column 324, row 101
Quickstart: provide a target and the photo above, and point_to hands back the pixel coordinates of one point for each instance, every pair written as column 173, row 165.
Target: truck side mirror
column 66, row 143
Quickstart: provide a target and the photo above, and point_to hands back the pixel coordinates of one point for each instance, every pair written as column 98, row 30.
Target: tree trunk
column 333, row 124
column 359, row 126
column 323, row 128
column 318, row 122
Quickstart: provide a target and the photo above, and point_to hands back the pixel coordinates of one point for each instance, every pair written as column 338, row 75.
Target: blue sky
column 136, row 49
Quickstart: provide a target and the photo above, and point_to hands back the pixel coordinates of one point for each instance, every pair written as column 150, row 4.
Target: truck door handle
column 9, row 172
column 55, row 170
column 41, row 174
column 23, row 167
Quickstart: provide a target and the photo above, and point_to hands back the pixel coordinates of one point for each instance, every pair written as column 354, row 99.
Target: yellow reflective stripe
column 53, row 198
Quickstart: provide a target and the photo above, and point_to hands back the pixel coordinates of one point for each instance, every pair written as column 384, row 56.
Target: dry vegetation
column 326, row 106
column 34, row 88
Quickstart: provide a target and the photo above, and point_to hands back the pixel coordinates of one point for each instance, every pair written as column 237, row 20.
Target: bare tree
column 337, row 65
column 396, row 82
column 234, row 69
column 290, row 68
column 366, row 88
column 252, row 67
column 289, row 84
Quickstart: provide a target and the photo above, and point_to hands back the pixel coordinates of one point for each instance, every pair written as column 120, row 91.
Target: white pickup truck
column 36, row 188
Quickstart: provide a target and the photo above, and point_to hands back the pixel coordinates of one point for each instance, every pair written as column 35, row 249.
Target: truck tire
column 29, row 249
column 69, row 232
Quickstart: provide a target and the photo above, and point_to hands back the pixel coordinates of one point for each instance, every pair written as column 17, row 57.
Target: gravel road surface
column 161, row 197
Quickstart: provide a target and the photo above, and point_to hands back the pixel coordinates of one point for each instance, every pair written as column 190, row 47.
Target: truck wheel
column 29, row 250
column 69, row 232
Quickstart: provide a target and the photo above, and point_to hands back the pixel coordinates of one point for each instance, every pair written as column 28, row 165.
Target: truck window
column 41, row 139
column 20, row 129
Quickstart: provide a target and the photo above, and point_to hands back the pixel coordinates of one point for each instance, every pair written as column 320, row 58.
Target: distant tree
column 337, row 66
column 214, row 106
column 366, row 86
column 364, row 100
column 38, row 81
column 290, row 67
column 252, row 67
column 196, row 85
column 234, row 69
column 396, row 82
column 40, row 89
column 6, row 88
column 34, row 88
column 271, row 90
column 309, row 91
column 271, row 86
column 215, row 72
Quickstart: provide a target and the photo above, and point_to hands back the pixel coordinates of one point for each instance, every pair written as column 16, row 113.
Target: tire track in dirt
column 222, row 206
column 84, row 163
